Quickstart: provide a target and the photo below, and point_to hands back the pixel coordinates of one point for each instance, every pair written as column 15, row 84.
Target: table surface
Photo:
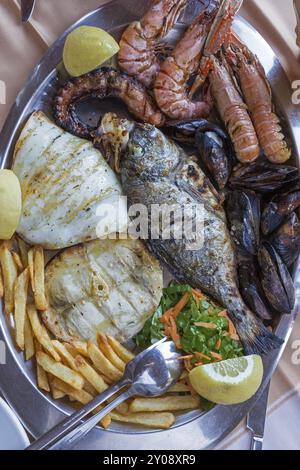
column 22, row 46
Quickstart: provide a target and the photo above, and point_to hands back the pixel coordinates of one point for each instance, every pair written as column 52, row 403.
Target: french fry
column 1, row 284
column 81, row 396
column 23, row 249
column 179, row 387
column 150, row 420
column 18, row 261
column 80, row 347
column 89, row 388
column 102, row 363
column 55, row 392
column 60, row 371
column 10, row 274
column 41, row 333
column 90, row 374
column 42, row 378
column 39, row 278
column 28, row 339
column 70, row 348
column 169, row 403
column 122, row 352
column 31, row 268
column 109, row 352
column 64, row 354
column 69, row 360
column 20, row 298
column 123, row 408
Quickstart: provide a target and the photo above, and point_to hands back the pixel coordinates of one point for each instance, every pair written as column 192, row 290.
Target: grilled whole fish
column 112, row 286
column 155, row 170
column 64, row 181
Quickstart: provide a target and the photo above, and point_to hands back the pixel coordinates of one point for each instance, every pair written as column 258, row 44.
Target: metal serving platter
column 37, row 411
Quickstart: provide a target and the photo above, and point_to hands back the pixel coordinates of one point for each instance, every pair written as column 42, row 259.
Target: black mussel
column 286, row 240
column 263, row 177
column 250, row 286
column 214, row 156
column 243, row 213
column 279, row 208
column 185, row 131
column 213, row 143
column 276, row 280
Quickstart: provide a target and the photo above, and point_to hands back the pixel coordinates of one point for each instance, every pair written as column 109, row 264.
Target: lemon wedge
column 10, row 204
column 228, row 382
column 86, row 48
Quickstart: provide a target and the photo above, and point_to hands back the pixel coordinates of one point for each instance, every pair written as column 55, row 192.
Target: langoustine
column 220, row 32
column 258, row 97
column 139, row 45
column 100, row 84
column 233, row 112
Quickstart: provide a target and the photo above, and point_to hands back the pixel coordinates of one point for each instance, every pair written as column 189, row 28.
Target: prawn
column 140, row 43
column 171, row 84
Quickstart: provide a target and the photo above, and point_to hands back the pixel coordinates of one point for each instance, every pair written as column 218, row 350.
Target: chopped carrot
column 181, row 304
column 174, row 333
column 197, row 293
column 223, row 314
column 218, row 344
column 166, row 316
column 190, row 356
column 196, row 298
column 202, row 356
column 167, row 330
column 216, row 356
column 174, row 311
column 210, row 326
column 232, row 330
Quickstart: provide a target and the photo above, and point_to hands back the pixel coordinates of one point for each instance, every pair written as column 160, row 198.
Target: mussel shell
column 276, row 280
column 185, row 131
column 286, row 240
column 279, row 208
column 263, row 177
column 243, row 213
column 250, row 286
column 213, row 154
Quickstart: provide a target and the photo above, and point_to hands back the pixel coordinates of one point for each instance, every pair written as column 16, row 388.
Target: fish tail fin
column 256, row 338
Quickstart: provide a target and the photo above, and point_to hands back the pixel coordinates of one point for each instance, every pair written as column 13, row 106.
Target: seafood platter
column 153, row 103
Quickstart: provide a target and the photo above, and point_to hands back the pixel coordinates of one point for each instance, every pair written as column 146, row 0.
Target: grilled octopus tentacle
column 100, row 84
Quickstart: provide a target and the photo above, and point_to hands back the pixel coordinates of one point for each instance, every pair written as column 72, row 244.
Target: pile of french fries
column 77, row 370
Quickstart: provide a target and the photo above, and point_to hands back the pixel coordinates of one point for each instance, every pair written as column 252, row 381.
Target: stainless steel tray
column 39, row 412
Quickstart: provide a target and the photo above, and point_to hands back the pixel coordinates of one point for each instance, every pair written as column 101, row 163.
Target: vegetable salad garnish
column 198, row 326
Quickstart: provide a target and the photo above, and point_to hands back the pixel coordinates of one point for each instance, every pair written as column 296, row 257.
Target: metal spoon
column 149, row 374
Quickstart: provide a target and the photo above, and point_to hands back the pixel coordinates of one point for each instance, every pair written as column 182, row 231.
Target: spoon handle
column 86, row 426
column 73, row 424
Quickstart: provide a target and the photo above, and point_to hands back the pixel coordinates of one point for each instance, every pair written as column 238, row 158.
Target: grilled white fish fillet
column 64, row 181
column 112, row 286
